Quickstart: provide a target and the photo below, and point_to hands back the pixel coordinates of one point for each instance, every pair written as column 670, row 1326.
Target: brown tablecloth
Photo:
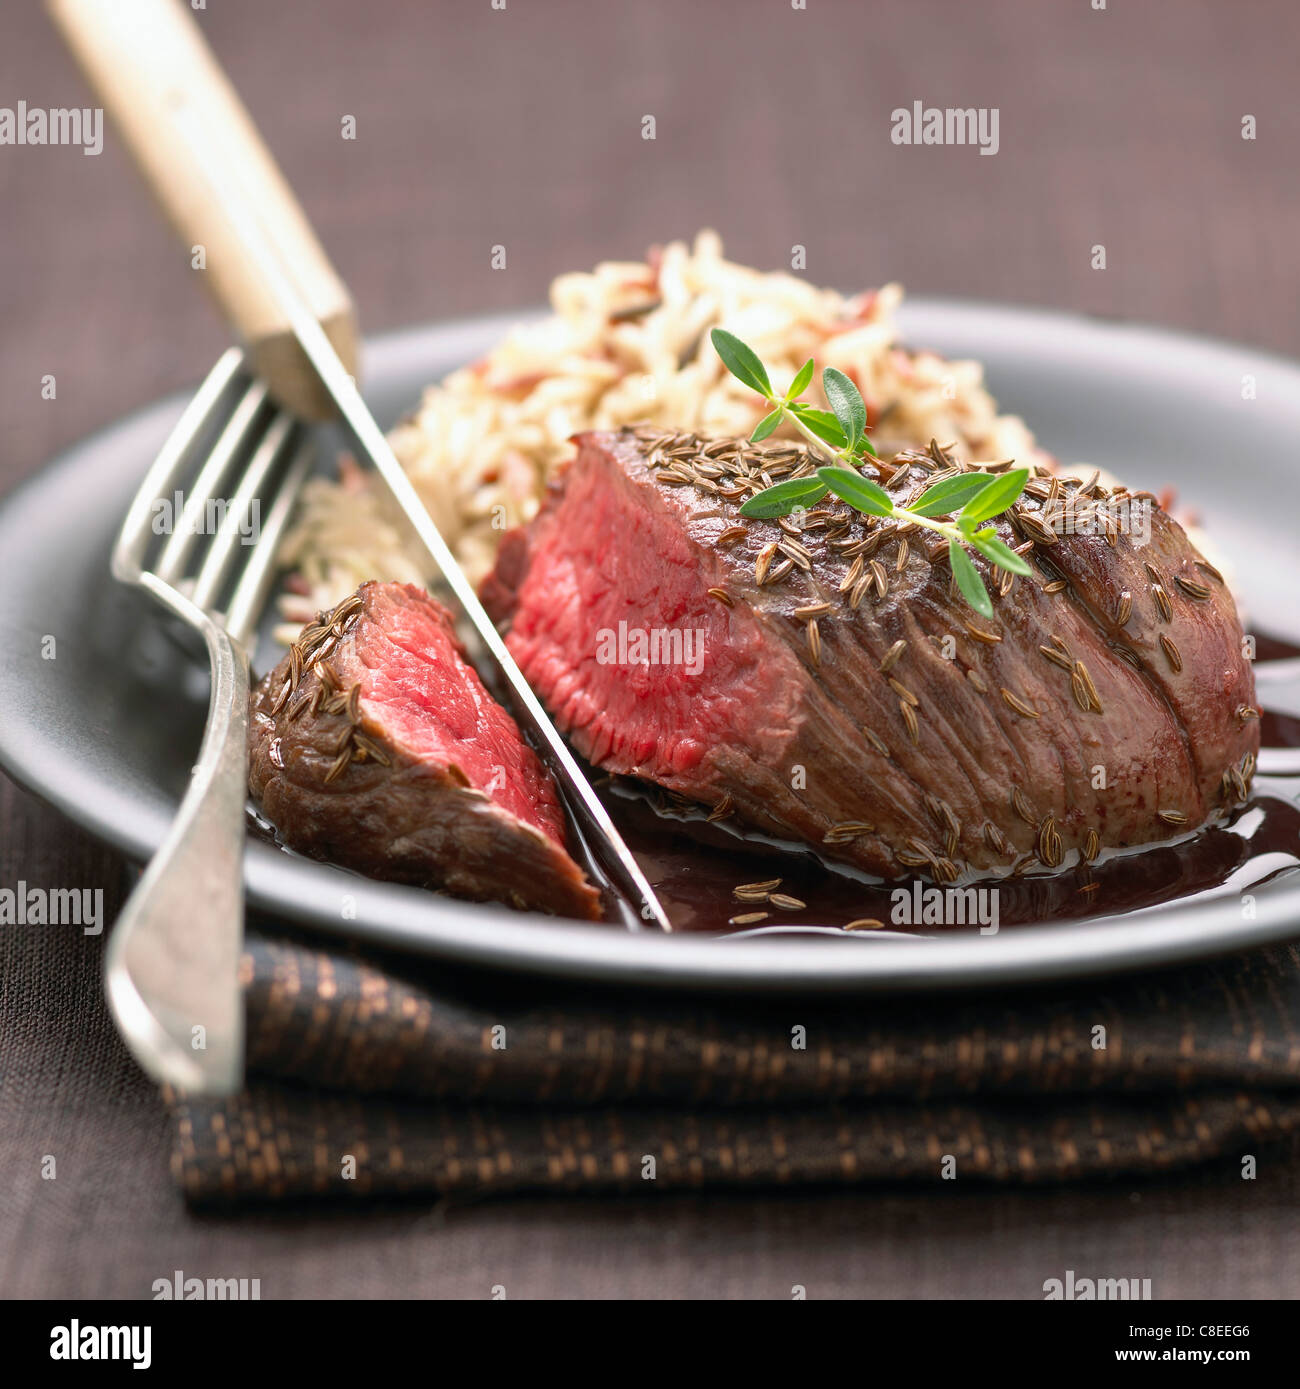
column 369, row 1079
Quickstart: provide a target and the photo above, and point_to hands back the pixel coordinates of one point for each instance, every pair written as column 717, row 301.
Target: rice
column 627, row 343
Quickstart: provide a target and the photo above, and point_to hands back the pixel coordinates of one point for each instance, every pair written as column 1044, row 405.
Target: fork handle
column 149, row 64
column 172, row 964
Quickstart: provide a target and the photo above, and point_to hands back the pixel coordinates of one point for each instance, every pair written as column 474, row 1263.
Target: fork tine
column 255, row 581
column 230, row 448
column 230, row 538
column 128, row 553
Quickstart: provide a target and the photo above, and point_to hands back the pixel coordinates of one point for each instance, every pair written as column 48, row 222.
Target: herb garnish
column 841, row 436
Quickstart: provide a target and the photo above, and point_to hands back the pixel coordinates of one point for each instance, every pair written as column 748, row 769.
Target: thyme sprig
column 840, row 437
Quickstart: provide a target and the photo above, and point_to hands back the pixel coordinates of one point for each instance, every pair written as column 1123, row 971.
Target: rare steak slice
column 374, row 745
column 820, row 678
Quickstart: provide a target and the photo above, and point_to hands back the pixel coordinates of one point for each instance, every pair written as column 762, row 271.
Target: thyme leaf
column 801, row 382
column 823, row 424
column 949, row 495
column 784, row 498
column 999, row 494
column 861, row 493
column 969, row 581
column 846, row 401
column 840, row 436
column 741, row 361
column 765, row 426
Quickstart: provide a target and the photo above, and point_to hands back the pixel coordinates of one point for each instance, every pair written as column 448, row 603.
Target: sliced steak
column 843, row 693
column 374, row 745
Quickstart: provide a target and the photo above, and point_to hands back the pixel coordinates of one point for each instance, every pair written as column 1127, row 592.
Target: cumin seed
column 890, row 658
column 1080, row 692
column 1091, row 690
column 763, row 562
column 1192, row 589
column 796, row 553
column 1014, row 701
column 814, row 641
column 340, row 762
column 1049, row 843
column 1056, row 658
column 721, row 810
column 372, row 749
column 876, row 742
column 903, row 692
column 768, row 885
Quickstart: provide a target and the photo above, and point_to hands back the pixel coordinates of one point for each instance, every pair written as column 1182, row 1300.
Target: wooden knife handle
column 157, row 78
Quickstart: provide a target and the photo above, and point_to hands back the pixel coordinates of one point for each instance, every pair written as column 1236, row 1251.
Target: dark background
column 523, row 127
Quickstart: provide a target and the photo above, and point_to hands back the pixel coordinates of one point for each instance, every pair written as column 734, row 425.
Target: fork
column 172, row 962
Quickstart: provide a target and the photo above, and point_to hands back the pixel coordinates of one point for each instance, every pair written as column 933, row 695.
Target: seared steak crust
column 847, row 695
column 374, row 745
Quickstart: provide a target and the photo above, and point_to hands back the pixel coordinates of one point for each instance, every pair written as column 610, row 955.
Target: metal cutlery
column 197, row 148
column 227, row 479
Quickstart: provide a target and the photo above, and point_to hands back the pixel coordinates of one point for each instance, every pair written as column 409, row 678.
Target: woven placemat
column 372, row 1077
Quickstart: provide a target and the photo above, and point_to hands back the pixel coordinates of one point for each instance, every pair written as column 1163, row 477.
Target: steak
column 822, row 680
column 374, row 745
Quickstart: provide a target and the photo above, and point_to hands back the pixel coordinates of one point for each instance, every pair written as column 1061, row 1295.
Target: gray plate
column 106, row 730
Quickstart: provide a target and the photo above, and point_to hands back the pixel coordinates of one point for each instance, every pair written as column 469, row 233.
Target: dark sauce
column 694, row 866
